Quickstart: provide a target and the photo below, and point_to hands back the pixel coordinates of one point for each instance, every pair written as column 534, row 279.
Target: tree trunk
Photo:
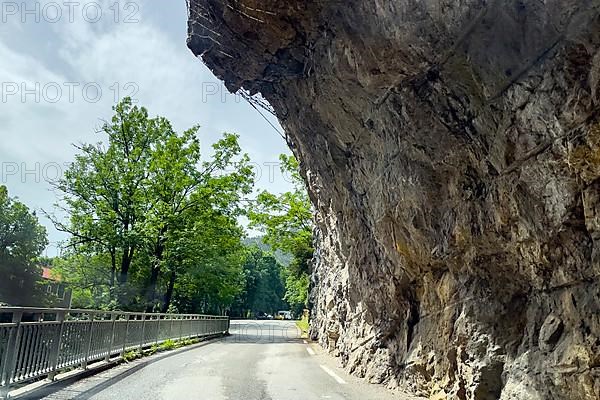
column 113, row 268
column 169, row 294
column 113, row 273
column 159, row 250
column 151, row 290
column 124, row 274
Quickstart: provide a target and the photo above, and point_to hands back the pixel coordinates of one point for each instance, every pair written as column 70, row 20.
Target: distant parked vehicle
column 286, row 315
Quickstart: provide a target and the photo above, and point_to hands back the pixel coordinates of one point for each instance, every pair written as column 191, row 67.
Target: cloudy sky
column 64, row 64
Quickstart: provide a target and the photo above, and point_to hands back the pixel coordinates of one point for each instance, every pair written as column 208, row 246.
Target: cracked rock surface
column 452, row 151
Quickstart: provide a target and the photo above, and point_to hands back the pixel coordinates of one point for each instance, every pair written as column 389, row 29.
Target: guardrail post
column 7, row 351
column 158, row 330
column 12, row 351
column 113, row 318
column 143, row 338
column 89, row 342
column 180, row 328
column 60, row 317
column 125, row 337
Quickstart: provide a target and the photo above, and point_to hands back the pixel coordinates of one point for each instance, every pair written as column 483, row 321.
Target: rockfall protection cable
column 246, row 97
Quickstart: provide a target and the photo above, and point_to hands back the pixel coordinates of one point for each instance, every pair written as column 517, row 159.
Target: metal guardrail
column 40, row 342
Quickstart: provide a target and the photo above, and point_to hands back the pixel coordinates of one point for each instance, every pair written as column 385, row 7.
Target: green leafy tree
column 208, row 258
column 148, row 210
column 187, row 194
column 173, row 177
column 89, row 277
column 286, row 220
column 104, row 191
column 22, row 241
column 264, row 287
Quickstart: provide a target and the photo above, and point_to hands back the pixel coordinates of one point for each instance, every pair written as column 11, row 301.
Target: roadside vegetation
column 167, row 345
column 286, row 221
column 304, row 325
column 22, row 241
column 153, row 222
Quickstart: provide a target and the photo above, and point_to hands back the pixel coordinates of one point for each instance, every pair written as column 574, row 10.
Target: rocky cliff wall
column 452, row 151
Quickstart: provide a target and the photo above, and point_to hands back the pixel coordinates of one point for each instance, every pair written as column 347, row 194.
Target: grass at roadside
column 164, row 346
column 304, row 326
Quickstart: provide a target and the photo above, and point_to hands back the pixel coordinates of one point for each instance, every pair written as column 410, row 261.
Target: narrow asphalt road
column 261, row 360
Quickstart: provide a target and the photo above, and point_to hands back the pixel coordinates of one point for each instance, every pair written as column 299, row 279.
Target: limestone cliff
column 452, row 150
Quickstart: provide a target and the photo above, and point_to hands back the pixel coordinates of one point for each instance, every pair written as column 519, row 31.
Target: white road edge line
column 310, row 351
column 333, row 375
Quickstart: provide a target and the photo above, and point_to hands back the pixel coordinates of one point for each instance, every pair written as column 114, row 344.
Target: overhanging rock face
column 452, row 150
